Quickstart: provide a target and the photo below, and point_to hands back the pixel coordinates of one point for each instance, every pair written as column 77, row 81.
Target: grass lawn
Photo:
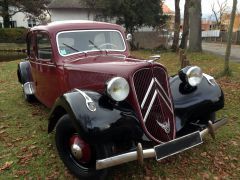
column 27, row 151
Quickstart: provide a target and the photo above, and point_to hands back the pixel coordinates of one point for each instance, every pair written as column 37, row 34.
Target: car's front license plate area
column 177, row 145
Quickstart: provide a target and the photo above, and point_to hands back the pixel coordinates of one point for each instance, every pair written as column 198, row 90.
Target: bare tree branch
column 215, row 13
column 219, row 11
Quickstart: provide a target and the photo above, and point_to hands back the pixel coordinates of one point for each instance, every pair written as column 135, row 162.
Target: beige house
column 226, row 22
column 171, row 14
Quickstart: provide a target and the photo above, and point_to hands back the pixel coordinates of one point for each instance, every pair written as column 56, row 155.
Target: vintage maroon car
column 109, row 108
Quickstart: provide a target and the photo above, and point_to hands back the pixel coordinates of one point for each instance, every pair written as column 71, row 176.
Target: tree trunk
column 5, row 14
column 185, row 33
column 176, row 26
column 229, row 40
column 132, row 44
column 195, row 27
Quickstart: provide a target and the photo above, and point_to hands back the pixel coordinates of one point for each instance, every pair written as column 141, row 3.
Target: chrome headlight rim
column 194, row 76
column 117, row 88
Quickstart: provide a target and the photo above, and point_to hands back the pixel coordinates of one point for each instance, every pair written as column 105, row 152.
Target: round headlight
column 194, row 75
column 118, row 88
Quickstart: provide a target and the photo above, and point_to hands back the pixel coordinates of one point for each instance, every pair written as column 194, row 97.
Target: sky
column 206, row 6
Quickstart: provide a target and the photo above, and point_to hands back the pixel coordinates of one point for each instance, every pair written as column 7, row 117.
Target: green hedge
column 13, row 35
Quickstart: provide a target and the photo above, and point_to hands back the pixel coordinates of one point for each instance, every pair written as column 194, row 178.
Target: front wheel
column 213, row 117
column 79, row 156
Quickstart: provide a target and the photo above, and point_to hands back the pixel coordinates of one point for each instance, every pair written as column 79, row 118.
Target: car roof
column 58, row 26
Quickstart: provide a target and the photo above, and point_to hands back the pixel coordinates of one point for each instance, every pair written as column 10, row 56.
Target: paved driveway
column 220, row 49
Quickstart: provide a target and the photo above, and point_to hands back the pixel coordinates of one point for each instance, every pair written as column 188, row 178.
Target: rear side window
column 30, row 45
column 44, row 49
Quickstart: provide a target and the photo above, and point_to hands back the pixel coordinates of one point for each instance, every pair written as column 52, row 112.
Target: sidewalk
column 220, row 49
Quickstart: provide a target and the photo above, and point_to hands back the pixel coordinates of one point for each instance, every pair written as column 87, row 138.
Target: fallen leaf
column 24, row 160
column 22, row 172
column 33, row 147
column 148, row 171
column 10, row 144
column 3, row 127
column 234, row 143
column 54, row 175
column 16, row 140
column 226, row 158
column 232, row 166
column 24, row 149
column 68, row 175
column 1, row 132
column 7, row 165
column 147, row 178
column 205, row 176
column 204, row 154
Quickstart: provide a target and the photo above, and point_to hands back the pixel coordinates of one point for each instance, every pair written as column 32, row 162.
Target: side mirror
column 129, row 37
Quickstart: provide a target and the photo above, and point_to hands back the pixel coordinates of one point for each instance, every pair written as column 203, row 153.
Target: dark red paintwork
column 88, row 71
column 61, row 74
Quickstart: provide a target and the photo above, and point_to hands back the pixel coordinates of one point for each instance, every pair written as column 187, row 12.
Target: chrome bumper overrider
column 141, row 154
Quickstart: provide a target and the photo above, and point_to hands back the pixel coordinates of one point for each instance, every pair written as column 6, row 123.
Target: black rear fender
column 24, row 72
column 97, row 122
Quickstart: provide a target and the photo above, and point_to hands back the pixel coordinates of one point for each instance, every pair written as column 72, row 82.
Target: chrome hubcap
column 80, row 150
column 76, row 151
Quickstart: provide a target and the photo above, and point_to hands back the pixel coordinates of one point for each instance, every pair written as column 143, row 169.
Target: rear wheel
column 28, row 98
column 79, row 156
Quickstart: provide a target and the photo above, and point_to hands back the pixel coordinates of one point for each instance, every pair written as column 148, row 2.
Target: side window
column 30, row 44
column 115, row 38
column 44, row 49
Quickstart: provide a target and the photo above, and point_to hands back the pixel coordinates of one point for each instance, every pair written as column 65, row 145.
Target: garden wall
column 150, row 40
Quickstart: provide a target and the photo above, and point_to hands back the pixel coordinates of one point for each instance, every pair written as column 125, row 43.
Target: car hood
column 113, row 65
column 92, row 72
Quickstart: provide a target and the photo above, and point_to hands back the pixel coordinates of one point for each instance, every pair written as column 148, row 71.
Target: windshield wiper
column 94, row 45
column 70, row 47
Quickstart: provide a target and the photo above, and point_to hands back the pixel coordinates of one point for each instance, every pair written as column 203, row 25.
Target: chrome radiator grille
column 154, row 98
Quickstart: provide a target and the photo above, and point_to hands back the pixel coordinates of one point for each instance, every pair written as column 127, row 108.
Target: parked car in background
column 109, row 108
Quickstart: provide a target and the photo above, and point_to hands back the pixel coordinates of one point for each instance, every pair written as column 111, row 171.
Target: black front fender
column 205, row 91
column 204, row 100
column 106, row 123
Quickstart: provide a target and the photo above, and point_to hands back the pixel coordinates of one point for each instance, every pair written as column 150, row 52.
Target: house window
column 13, row 24
column 31, row 22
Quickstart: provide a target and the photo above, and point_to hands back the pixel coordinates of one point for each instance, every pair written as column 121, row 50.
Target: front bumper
column 163, row 150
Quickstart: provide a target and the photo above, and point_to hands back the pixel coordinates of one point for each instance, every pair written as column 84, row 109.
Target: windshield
column 73, row 42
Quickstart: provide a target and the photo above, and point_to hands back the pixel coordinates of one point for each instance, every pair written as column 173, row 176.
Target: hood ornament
column 154, row 58
column 165, row 126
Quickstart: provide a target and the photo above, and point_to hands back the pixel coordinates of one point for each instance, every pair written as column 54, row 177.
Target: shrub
column 13, row 35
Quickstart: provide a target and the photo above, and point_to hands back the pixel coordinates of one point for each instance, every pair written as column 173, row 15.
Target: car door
column 46, row 73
